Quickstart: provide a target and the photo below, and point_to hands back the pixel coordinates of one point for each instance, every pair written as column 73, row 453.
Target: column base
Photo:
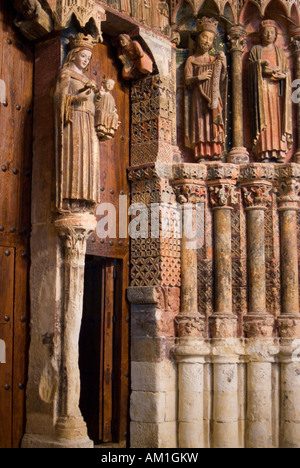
column 71, row 428
column 42, row 441
column 238, row 156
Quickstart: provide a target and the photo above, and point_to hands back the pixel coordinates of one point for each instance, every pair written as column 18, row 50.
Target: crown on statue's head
column 268, row 23
column 207, row 24
column 81, row 42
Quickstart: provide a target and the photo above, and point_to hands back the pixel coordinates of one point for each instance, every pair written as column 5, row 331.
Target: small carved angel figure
column 136, row 62
column 106, row 118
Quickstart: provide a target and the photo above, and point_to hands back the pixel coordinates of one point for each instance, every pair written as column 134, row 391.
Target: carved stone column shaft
column 190, row 190
column 256, row 265
column 289, row 262
column 189, row 298
column 237, row 38
column 296, row 46
column 223, row 261
column 257, row 198
column 74, row 231
column 190, row 324
column 222, row 199
column 288, row 206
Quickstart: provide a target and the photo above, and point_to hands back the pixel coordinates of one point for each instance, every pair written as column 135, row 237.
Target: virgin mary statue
column 77, row 145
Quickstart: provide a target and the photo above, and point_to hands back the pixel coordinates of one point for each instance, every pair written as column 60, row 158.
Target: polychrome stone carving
column 77, row 145
column 206, row 79
column 270, row 95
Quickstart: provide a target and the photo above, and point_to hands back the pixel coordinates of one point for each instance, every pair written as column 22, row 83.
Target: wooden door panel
column 16, row 75
column 115, row 160
column 107, row 381
column 7, row 259
column 114, row 154
column 20, row 342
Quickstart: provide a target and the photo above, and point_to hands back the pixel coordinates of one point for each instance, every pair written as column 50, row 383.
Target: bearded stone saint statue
column 270, row 96
column 206, row 80
column 77, row 145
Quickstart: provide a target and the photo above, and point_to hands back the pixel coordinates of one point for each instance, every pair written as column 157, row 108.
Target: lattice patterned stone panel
column 154, row 271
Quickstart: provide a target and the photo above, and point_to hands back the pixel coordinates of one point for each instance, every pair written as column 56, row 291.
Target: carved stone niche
column 87, row 12
column 32, row 20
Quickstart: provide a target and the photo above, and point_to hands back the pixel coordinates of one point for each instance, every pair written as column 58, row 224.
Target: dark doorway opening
column 100, row 349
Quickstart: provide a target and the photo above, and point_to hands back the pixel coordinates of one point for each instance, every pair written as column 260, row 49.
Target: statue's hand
column 205, row 75
column 222, row 57
column 268, row 71
column 82, row 97
column 278, row 76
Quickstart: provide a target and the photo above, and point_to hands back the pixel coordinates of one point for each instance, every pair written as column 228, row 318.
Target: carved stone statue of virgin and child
column 84, row 114
column 270, row 96
column 206, row 81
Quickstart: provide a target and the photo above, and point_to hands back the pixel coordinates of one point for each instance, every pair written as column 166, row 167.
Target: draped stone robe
column 78, row 153
column 270, row 105
column 205, row 127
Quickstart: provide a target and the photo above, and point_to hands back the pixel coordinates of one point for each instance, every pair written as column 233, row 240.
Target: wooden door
column 100, row 351
column 111, row 280
column 16, row 89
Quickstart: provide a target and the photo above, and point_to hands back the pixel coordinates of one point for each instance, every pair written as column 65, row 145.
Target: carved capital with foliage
column 257, row 195
column 237, row 38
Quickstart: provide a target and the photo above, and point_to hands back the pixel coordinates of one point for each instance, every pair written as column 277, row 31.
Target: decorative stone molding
column 221, row 185
column 259, row 326
column 288, row 190
column 188, row 181
column 188, row 192
column 223, row 326
column 289, row 326
column 257, row 195
column 189, row 172
column 83, row 10
column 223, row 172
column 237, row 38
column 190, row 326
column 257, row 183
column 153, row 128
column 223, row 196
column 257, row 172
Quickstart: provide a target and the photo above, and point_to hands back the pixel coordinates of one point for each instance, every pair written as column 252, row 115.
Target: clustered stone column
column 289, row 320
column 222, row 362
column 189, row 185
column 237, row 39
